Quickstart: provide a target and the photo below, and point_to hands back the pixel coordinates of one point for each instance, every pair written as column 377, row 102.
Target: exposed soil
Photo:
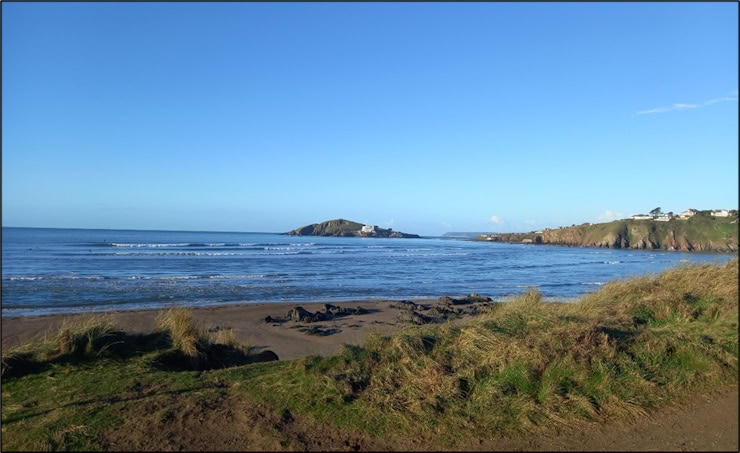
column 707, row 424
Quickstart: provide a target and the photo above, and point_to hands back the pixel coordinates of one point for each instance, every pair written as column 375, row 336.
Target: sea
column 55, row 271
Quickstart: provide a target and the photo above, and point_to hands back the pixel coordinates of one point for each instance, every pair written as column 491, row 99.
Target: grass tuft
column 187, row 336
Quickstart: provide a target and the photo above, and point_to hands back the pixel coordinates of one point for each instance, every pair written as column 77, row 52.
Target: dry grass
column 194, row 344
column 187, row 336
column 181, row 340
column 615, row 353
column 84, row 337
column 89, row 335
column 62, row 439
column 675, row 292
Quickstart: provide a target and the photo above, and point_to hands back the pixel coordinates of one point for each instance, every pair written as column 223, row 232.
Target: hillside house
column 367, row 229
column 721, row 213
column 490, row 237
column 663, row 218
column 686, row 214
column 641, row 217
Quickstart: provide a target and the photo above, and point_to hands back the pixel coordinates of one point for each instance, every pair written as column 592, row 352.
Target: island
column 348, row 228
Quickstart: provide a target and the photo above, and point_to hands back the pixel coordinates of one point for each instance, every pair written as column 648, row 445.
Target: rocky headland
column 699, row 233
column 348, row 228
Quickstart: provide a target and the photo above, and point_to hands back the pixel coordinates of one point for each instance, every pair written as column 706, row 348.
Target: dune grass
column 614, row 354
column 528, row 365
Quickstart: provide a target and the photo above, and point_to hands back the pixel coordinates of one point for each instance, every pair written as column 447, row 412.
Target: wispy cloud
column 608, row 216
column 724, row 99
column 496, row 219
column 668, row 109
column 731, row 97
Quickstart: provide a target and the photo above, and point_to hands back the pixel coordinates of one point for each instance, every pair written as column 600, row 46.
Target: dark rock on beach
column 263, row 356
column 333, row 310
column 407, row 305
column 469, row 299
column 447, row 308
column 417, row 318
column 300, row 314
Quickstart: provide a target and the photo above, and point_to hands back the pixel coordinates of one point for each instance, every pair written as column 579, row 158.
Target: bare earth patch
column 229, row 424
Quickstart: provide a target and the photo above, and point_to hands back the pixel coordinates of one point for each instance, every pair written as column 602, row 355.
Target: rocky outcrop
column 348, row 228
column 445, row 309
column 698, row 233
column 300, row 314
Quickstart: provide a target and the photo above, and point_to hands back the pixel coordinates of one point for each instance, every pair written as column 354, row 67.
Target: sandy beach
column 247, row 321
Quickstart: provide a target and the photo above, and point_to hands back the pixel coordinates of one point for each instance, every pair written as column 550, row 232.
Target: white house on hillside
column 686, row 214
column 641, row 217
column 367, row 229
column 663, row 218
column 721, row 213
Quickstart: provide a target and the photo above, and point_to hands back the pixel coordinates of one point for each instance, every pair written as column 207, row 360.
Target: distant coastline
column 702, row 231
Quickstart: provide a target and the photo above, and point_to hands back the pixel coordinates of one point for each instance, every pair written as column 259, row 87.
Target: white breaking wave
column 127, row 245
column 177, row 254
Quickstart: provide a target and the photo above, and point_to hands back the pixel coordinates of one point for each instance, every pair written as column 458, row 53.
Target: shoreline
column 247, row 322
column 84, row 311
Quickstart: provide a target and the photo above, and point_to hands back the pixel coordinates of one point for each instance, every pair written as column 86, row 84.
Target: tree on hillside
column 656, row 212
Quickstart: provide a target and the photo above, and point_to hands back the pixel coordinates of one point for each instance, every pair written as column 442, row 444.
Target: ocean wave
column 62, row 278
column 32, row 278
column 230, row 277
column 179, row 244
column 424, row 255
column 131, row 245
column 23, row 279
column 172, row 254
column 197, row 277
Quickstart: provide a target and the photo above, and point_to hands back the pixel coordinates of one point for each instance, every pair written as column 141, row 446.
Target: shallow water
column 48, row 271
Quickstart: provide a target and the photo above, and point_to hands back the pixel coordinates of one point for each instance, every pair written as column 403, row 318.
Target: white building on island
column 367, row 229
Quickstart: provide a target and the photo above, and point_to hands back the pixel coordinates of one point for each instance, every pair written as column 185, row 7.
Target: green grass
column 528, row 365
column 702, row 231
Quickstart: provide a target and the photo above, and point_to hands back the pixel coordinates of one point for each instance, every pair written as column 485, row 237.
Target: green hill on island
column 348, row 228
column 700, row 232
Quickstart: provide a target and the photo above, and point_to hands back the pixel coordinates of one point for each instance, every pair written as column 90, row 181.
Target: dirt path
column 708, row 423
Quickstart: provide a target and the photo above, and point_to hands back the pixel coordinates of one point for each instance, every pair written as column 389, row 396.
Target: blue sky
column 423, row 117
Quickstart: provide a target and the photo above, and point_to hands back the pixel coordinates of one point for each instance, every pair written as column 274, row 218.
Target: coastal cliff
column 700, row 233
column 348, row 228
